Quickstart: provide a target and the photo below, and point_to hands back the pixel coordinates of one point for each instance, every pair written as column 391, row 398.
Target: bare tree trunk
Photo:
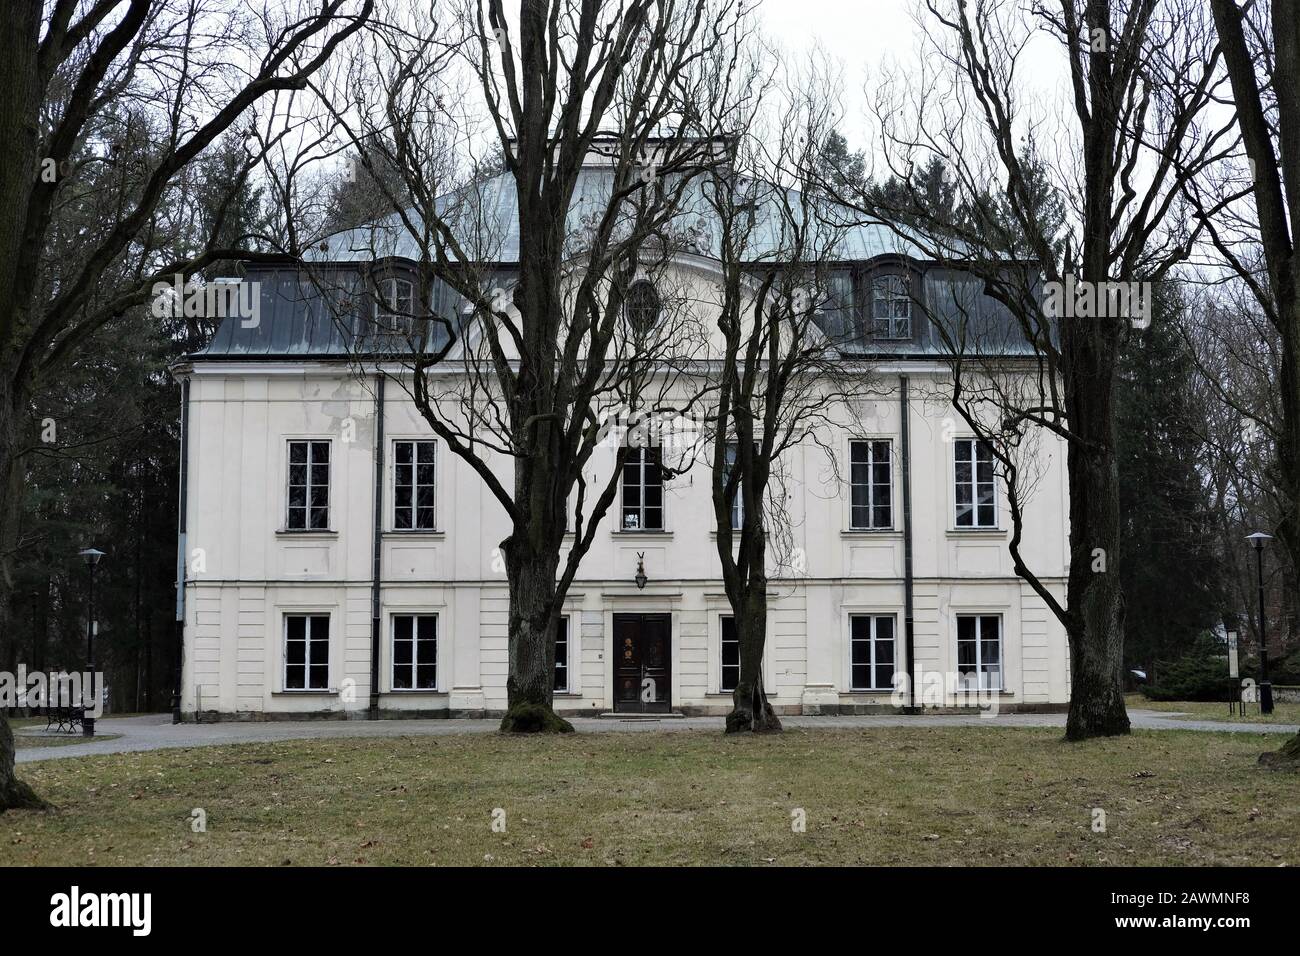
column 1094, row 598
column 14, row 793
column 530, row 686
column 750, row 710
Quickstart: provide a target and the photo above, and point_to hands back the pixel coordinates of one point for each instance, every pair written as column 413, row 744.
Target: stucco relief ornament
column 697, row 237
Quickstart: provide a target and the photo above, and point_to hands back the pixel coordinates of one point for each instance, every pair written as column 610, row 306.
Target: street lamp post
column 1265, row 685
column 91, row 556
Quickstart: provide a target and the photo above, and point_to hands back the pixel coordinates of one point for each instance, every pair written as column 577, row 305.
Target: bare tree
column 779, row 378
column 1260, row 43
column 76, row 76
column 534, row 351
column 1141, row 75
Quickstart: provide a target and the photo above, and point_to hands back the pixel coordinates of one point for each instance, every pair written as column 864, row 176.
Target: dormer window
column 395, row 306
column 891, row 306
column 642, row 306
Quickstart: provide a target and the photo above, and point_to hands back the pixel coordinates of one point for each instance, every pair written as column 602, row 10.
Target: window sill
column 871, row 533
column 430, row 533
column 306, row 533
column 412, row 692
column 333, row 692
column 976, row 532
column 641, row 533
column 566, row 694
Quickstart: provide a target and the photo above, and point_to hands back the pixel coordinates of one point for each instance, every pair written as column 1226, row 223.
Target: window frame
column 974, row 483
column 873, row 640
column 870, row 442
column 722, row 645
column 388, row 306
column 637, row 327
column 643, row 453
column 415, row 442
column 979, row 616
column 568, row 658
column 309, row 660
column 881, row 276
column 415, row 662
column 289, row 463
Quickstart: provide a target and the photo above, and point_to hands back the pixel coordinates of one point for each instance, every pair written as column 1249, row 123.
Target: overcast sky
column 866, row 36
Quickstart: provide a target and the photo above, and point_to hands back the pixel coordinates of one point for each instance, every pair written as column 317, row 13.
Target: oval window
column 642, row 305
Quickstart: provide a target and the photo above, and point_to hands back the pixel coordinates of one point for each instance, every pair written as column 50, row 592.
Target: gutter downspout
column 376, row 624
column 179, row 626
column 909, row 619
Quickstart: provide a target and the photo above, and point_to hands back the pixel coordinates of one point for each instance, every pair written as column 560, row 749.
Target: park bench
column 65, row 719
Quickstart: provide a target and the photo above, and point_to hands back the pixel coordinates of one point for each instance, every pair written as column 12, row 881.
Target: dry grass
column 1283, row 713
column 927, row 796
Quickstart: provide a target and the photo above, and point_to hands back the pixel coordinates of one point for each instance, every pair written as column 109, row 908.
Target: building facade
column 339, row 561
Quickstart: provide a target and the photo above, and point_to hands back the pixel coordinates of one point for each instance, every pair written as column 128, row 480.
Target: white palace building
column 327, row 535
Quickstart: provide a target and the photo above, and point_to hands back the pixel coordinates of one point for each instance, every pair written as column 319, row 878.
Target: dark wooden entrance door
column 642, row 665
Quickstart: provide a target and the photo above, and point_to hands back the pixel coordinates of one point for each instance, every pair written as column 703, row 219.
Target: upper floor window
column 643, row 490
column 395, row 306
column 309, row 486
column 413, row 485
column 891, row 306
column 976, row 496
column 871, row 504
column 642, row 306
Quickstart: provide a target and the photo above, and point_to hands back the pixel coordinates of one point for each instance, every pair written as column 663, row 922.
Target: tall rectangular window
column 871, row 646
column 562, row 656
column 737, row 498
column 395, row 306
column 730, row 655
column 413, row 485
column 979, row 651
column 306, row 651
column 871, row 486
column 309, row 486
column 415, row 652
column 975, row 492
column 643, row 491
column 891, row 307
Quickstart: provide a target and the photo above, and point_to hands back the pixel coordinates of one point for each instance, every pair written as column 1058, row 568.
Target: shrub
column 1201, row 674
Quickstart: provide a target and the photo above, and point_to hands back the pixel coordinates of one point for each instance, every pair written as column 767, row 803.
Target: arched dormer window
column 394, row 305
column 642, row 306
column 889, row 304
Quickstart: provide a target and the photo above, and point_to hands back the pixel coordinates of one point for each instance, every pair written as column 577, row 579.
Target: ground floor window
column 415, row 652
column 871, row 639
column 979, row 651
column 730, row 654
column 306, row 651
column 562, row 656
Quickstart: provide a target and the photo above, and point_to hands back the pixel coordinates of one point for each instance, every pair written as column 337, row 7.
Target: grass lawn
column 1207, row 710
column 28, row 741
column 941, row 795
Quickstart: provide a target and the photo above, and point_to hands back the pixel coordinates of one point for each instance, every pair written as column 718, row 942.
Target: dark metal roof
column 316, row 310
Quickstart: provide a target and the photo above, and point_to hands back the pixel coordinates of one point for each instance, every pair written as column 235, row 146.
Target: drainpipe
column 376, row 624
column 908, row 614
column 178, row 627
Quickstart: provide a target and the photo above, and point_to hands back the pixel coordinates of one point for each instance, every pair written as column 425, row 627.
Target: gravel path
column 157, row 732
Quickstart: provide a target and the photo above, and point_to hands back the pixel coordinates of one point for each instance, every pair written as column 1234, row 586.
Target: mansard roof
column 314, row 310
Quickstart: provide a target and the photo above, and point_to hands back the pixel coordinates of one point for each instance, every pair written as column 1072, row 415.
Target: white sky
column 866, row 36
